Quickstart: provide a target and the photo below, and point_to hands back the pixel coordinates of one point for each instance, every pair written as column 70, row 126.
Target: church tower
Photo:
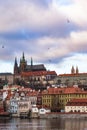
column 72, row 70
column 77, row 70
column 15, row 66
column 23, row 63
column 31, row 64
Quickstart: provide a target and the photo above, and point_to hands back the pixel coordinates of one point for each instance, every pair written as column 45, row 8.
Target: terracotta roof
column 38, row 73
column 24, row 89
column 67, row 90
column 75, row 74
column 77, row 102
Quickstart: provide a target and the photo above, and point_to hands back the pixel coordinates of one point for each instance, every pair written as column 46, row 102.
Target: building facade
column 32, row 75
column 76, row 105
column 74, row 78
column 57, row 98
column 6, row 78
column 24, row 67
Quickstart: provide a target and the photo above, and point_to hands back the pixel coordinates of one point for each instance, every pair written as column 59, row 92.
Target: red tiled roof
column 25, row 89
column 38, row 73
column 67, row 90
column 77, row 102
column 75, row 74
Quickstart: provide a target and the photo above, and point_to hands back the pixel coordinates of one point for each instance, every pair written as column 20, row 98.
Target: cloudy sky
column 52, row 32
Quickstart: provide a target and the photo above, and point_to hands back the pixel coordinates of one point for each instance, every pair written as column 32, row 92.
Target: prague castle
column 33, row 75
column 74, row 78
column 24, row 67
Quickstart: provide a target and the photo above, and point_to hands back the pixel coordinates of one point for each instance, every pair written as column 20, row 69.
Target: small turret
column 72, row 70
column 77, row 70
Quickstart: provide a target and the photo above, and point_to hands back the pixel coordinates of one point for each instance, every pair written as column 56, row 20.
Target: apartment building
column 57, row 98
column 76, row 105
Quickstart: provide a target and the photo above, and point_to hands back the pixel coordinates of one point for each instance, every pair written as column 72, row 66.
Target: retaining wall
column 64, row 115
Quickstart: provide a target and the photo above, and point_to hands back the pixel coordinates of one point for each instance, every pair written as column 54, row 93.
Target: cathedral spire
column 15, row 66
column 31, row 63
column 23, row 57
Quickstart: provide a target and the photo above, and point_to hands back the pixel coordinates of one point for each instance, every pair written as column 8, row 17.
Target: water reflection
column 76, row 124
column 44, row 124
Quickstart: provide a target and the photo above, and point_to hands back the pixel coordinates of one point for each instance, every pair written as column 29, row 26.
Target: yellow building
column 57, row 98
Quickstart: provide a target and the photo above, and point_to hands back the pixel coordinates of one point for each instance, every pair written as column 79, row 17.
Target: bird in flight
column 68, row 21
column 2, row 46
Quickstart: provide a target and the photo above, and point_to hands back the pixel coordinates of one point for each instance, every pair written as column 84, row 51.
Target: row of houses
column 18, row 100
column 21, row 101
column 76, row 105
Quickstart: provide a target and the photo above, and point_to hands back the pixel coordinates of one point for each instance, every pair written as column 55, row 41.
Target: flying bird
column 2, row 46
column 49, row 60
column 68, row 21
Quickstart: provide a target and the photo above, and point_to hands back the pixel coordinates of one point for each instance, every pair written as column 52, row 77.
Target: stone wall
column 64, row 115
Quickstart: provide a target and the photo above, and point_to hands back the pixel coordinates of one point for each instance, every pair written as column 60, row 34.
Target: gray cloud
column 49, row 31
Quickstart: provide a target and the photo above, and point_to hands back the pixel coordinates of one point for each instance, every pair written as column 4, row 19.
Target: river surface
column 44, row 124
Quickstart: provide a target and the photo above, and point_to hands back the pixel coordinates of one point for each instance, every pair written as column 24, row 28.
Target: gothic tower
column 23, row 63
column 15, row 66
column 72, row 70
column 77, row 70
column 31, row 63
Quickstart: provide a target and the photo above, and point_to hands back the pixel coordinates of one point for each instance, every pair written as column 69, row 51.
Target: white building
column 76, row 105
column 24, row 105
column 13, row 105
column 33, row 97
column 34, row 111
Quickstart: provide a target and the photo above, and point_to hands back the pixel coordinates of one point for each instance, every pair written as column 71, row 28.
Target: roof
column 5, row 74
column 38, row 73
column 77, row 102
column 67, row 90
column 36, row 67
column 75, row 74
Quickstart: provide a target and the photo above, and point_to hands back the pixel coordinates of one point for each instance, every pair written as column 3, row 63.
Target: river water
column 44, row 124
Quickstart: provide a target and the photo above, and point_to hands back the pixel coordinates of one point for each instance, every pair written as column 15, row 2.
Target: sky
column 52, row 32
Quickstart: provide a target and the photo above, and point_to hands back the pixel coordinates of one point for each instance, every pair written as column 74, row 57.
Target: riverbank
column 55, row 115
column 5, row 115
column 64, row 115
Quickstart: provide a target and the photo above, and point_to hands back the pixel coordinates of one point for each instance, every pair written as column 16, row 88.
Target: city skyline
column 52, row 32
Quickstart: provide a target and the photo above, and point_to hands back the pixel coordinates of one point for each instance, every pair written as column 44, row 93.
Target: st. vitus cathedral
column 24, row 67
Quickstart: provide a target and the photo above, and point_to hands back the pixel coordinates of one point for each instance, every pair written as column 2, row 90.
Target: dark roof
column 6, row 73
column 36, row 67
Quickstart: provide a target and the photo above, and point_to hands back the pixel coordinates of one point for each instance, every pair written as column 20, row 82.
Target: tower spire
column 23, row 63
column 23, row 57
column 31, row 63
column 15, row 66
column 77, row 70
column 72, row 70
